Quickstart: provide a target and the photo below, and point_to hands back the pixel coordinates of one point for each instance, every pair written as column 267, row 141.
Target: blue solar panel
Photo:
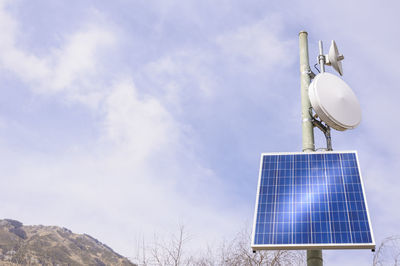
column 308, row 200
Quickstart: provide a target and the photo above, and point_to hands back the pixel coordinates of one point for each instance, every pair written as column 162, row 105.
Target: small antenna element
column 333, row 58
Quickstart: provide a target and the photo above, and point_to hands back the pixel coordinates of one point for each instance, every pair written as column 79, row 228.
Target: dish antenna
column 333, row 58
column 334, row 102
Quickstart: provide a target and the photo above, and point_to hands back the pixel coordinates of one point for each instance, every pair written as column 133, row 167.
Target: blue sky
column 124, row 119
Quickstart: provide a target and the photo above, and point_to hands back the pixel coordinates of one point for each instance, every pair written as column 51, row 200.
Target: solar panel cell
column 311, row 200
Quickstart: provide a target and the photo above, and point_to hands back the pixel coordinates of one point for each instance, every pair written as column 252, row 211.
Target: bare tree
column 388, row 252
column 238, row 252
column 164, row 252
column 233, row 252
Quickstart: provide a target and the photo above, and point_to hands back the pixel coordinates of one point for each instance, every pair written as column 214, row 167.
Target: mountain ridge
column 52, row 245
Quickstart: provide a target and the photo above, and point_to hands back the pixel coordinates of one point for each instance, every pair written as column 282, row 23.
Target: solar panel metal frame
column 311, row 246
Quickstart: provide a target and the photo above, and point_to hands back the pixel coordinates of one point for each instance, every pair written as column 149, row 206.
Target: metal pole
column 314, row 257
column 305, row 71
column 321, row 57
column 328, row 138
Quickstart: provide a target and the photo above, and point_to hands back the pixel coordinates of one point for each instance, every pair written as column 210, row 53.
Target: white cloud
column 183, row 74
column 13, row 58
column 257, row 45
column 77, row 59
column 139, row 125
column 141, row 175
column 70, row 68
column 140, row 178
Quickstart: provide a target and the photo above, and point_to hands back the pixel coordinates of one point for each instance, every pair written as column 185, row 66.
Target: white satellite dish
column 333, row 58
column 334, row 102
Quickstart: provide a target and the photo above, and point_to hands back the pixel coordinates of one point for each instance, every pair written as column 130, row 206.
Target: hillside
column 52, row 245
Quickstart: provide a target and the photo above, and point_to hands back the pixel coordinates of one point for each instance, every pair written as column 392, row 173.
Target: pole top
column 303, row 31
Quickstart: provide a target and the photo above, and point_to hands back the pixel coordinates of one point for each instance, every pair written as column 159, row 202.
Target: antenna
column 333, row 58
column 331, row 98
column 334, row 102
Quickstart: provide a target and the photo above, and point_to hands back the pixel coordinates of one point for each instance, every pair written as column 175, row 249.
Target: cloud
column 140, row 174
column 78, row 57
column 182, row 76
column 11, row 57
column 69, row 69
column 143, row 125
column 257, row 45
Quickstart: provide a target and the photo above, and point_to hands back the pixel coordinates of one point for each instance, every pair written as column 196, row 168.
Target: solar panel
column 311, row 201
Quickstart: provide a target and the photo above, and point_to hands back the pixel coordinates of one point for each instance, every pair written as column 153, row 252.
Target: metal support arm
column 326, row 130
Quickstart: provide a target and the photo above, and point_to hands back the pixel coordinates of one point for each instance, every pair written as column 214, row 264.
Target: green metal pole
column 314, row 257
column 306, row 119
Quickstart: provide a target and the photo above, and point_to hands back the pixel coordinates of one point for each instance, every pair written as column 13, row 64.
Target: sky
column 124, row 119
